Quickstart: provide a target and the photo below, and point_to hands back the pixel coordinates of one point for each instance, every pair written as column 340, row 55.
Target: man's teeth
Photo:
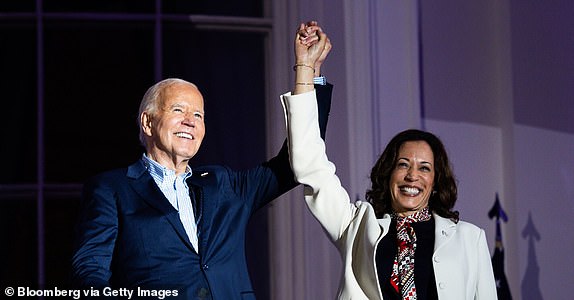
column 184, row 135
column 410, row 190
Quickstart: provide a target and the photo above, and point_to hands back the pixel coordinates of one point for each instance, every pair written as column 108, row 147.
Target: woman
column 406, row 242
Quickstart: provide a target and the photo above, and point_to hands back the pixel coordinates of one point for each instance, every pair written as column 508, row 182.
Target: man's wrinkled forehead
column 180, row 92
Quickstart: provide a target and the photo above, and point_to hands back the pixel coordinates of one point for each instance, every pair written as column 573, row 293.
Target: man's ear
column 146, row 120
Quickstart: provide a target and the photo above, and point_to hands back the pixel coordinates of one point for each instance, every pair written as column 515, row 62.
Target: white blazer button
column 441, row 285
column 436, row 259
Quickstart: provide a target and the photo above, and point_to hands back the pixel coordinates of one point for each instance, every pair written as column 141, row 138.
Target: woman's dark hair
column 443, row 197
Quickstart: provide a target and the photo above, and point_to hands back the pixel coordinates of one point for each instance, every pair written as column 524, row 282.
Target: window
column 73, row 75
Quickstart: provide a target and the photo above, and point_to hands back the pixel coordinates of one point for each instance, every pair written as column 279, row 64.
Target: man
column 165, row 227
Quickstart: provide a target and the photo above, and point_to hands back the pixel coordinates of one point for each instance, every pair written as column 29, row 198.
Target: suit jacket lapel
column 205, row 188
column 144, row 185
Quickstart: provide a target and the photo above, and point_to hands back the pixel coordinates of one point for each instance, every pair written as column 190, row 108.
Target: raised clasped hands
column 311, row 46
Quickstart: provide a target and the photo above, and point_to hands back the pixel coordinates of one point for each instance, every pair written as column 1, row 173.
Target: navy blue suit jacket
column 130, row 236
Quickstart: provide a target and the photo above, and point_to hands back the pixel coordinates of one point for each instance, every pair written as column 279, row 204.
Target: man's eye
column 179, row 110
column 198, row 116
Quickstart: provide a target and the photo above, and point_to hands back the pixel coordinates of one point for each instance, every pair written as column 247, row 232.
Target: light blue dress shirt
column 176, row 191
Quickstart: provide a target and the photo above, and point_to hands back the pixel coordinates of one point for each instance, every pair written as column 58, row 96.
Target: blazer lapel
column 444, row 230
column 144, row 185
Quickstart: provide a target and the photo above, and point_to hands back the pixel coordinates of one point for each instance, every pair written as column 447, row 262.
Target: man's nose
column 189, row 120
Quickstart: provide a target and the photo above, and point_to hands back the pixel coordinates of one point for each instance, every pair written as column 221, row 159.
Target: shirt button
column 436, row 259
column 204, row 267
column 441, row 285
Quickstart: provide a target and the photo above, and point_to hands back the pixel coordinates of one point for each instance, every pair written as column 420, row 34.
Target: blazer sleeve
column 325, row 196
column 277, row 177
column 486, row 286
column 96, row 233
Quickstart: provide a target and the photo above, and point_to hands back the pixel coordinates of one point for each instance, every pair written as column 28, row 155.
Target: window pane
column 96, row 74
column 245, row 8
column 60, row 219
column 18, row 85
column 18, row 249
column 133, row 6
column 228, row 69
column 18, row 6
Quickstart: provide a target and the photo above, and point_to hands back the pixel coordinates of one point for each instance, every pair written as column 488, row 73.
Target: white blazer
column 461, row 260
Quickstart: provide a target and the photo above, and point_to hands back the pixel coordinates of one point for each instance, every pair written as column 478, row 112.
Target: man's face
column 176, row 130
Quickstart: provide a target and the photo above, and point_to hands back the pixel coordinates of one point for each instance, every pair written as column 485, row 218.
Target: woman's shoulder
column 461, row 226
column 365, row 208
column 469, row 230
column 464, row 225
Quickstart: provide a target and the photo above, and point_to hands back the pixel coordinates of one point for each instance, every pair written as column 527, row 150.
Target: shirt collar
column 159, row 171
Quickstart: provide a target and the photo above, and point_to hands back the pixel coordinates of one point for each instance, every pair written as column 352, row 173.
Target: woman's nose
column 410, row 175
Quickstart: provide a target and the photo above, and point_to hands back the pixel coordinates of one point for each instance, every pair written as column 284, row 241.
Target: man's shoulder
column 211, row 171
column 219, row 175
column 210, row 168
column 118, row 174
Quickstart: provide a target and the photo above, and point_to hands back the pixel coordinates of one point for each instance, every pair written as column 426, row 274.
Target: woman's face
column 412, row 178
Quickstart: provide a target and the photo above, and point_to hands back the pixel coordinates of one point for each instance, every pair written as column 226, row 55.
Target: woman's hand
column 311, row 48
column 325, row 52
column 310, row 43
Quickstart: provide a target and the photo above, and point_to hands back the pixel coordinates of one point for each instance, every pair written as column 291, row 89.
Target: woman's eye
column 402, row 165
column 425, row 169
